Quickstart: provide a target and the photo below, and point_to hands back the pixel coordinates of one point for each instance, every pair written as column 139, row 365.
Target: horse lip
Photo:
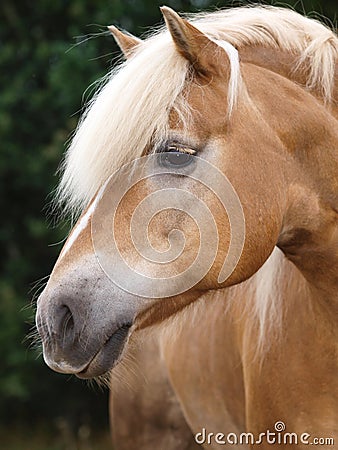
column 62, row 366
column 108, row 355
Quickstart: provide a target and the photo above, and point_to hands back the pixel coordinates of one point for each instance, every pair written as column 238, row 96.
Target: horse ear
column 190, row 42
column 127, row 42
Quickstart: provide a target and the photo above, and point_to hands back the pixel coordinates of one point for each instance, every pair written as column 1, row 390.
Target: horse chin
column 108, row 356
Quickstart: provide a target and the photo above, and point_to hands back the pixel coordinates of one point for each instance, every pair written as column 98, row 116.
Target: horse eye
column 175, row 159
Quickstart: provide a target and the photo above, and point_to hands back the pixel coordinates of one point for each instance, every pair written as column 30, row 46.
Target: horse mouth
column 108, row 355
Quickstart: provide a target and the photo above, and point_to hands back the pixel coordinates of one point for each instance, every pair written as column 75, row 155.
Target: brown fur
column 210, row 357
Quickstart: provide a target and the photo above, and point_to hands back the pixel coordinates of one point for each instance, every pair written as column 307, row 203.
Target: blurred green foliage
column 50, row 52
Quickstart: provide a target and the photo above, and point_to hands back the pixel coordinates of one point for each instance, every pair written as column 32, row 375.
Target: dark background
column 50, row 52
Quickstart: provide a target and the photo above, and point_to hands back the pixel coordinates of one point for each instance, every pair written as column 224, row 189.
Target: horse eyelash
column 176, row 147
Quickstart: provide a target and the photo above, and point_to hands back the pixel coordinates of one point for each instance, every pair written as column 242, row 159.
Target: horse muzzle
column 84, row 333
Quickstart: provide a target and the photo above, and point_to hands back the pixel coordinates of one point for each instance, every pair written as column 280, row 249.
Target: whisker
column 35, row 290
column 86, row 38
column 59, row 242
column 97, row 58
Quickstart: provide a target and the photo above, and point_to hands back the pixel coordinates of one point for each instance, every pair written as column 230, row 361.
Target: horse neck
column 284, row 63
column 309, row 235
column 308, row 133
column 278, row 306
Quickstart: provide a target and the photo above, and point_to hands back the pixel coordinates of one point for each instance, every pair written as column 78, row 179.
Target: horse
column 212, row 146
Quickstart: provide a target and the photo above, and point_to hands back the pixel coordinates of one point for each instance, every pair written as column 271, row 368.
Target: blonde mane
column 130, row 111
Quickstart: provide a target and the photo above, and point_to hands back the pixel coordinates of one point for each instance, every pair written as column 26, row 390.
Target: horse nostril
column 66, row 323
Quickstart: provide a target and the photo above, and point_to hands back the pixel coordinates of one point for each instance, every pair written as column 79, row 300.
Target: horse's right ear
column 127, row 42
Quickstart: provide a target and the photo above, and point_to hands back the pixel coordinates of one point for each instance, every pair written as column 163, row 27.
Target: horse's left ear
column 190, row 42
column 127, row 42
